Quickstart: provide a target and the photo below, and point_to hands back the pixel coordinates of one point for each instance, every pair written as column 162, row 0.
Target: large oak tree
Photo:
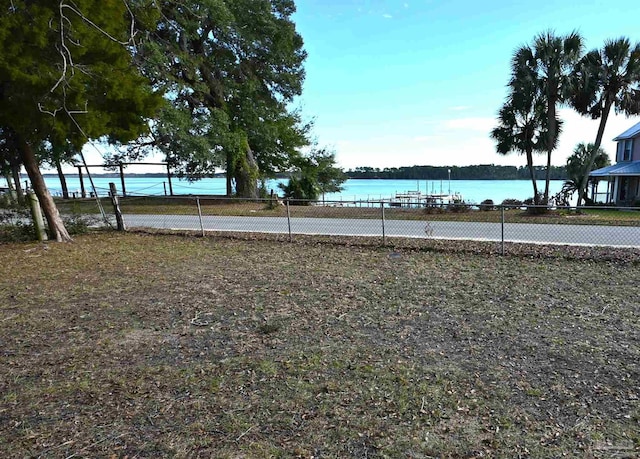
column 231, row 70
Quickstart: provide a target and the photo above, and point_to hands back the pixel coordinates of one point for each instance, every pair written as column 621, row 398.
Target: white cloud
column 387, row 16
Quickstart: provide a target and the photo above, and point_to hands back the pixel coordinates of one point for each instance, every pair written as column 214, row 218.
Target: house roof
column 630, row 133
column 623, row 168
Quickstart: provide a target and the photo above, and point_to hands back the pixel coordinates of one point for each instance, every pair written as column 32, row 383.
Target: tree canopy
column 66, row 74
column 552, row 71
column 230, row 70
column 209, row 83
column 577, row 164
column 314, row 174
column 522, row 125
column 605, row 78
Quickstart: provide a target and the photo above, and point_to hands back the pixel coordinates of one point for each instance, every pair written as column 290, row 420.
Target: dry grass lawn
column 169, row 346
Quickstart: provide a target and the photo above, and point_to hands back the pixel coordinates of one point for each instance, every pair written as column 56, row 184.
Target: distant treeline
column 126, row 174
column 481, row 172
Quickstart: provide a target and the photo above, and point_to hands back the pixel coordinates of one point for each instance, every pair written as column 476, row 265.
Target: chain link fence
column 79, row 216
column 384, row 221
column 588, row 226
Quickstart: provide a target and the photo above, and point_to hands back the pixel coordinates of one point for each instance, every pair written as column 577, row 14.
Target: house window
column 627, row 149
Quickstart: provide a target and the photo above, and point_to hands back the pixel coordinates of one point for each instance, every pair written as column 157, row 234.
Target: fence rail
column 586, row 226
column 607, row 227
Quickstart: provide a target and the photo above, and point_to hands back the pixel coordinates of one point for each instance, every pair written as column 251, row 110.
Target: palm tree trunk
column 57, row 230
column 547, row 179
column 533, row 176
column 63, row 181
column 551, row 139
column 582, row 190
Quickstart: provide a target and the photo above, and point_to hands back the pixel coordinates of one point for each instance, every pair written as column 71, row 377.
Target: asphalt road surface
column 615, row 236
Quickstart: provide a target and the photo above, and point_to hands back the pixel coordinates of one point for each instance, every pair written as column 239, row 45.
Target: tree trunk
column 15, row 170
column 12, row 191
column 532, row 172
column 63, row 181
column 229, row 173
column 584, row 180
column 551, row 140
column 246, row 174
column 57, row 230
column 547, row 179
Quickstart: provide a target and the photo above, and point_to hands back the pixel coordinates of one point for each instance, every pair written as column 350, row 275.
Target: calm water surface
column 473, row 191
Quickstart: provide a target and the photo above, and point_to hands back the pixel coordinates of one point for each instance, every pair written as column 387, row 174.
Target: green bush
column 487, row 204
column 432, row 210
column 459, row 207
column 512, row 202
column 300, row 190
column 15, row 224
column 78, row 224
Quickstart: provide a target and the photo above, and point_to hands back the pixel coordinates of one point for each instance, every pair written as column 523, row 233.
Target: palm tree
column 521, row 118
column 554, row 61
column 578, row 162
column 605, row 78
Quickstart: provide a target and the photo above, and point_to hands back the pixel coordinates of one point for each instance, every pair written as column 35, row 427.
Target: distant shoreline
column 478, row 172
column 110, row 175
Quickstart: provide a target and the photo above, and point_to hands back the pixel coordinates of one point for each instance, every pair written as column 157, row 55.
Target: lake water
column 473, row 191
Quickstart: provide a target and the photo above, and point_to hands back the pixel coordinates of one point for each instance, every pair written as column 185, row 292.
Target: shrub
column 458, row 207
column 487, row 204
column 531, row 201
column 79, row 224
column 432, row 210
column 16, row 232
column 299, row 191
column 512, row 202
column 15, row 224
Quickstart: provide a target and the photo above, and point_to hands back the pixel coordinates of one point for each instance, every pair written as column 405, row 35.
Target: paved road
column 617, row 236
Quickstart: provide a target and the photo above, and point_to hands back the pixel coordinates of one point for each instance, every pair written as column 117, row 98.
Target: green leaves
column 203, row 133
column 66, row 72
column 579, row 161
column 608, row 77
column 243, row 58
column 315, row 174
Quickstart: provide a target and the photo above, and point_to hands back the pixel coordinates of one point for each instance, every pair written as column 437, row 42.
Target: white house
column 623, row 177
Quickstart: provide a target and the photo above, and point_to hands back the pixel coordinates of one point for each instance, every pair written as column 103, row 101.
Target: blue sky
column 404, row 82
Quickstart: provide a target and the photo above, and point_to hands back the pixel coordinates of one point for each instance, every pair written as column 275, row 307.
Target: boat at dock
column 419, row 199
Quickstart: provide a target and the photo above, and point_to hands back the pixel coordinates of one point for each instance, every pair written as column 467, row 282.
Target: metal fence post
column 502, row 227
column 289, row 220
column 200, row 215
column 384, row 236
